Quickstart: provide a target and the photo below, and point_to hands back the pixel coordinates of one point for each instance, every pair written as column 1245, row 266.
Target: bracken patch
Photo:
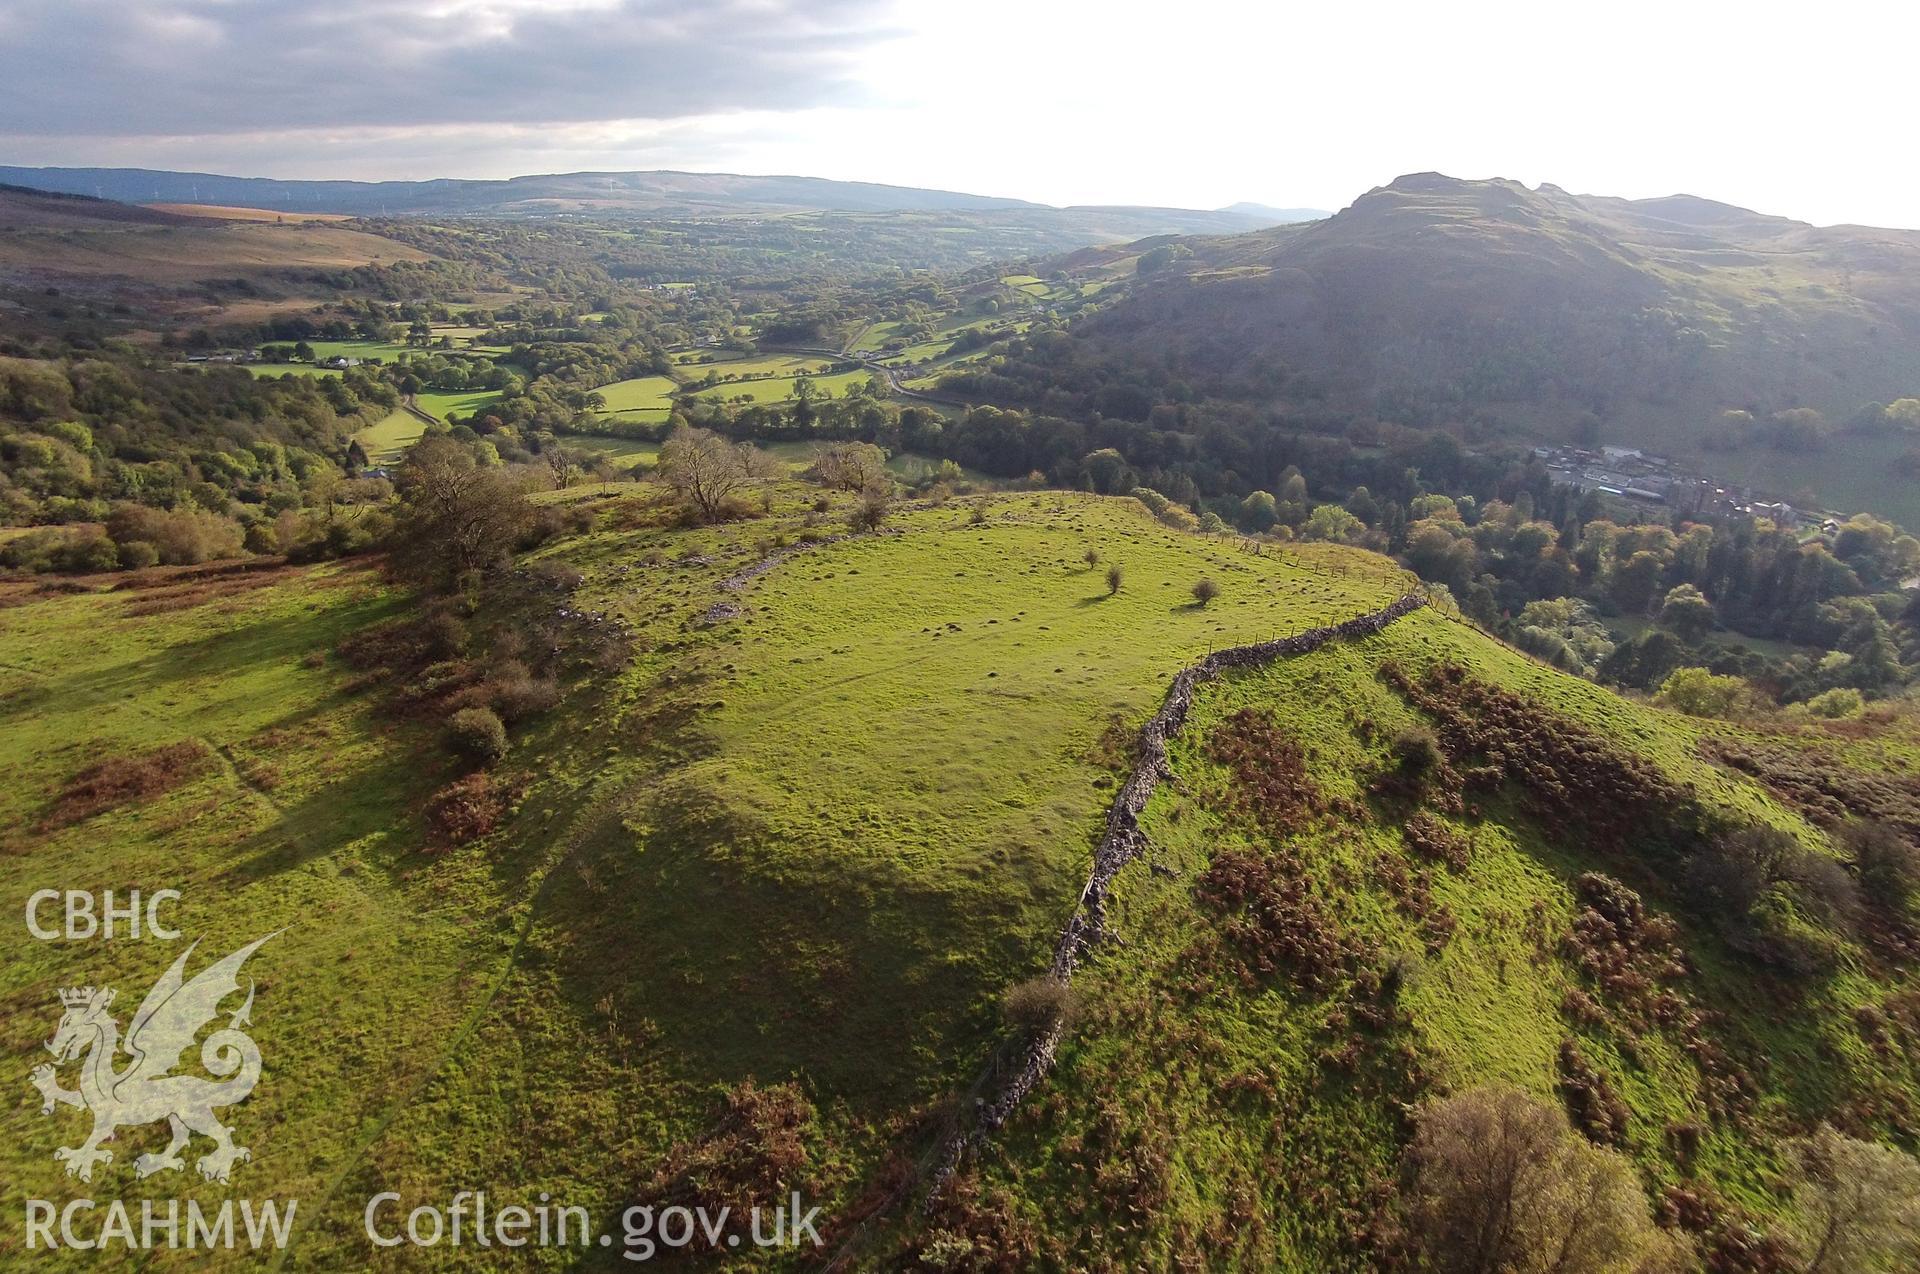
column 123, row 780
column 1272, row 918
column 1574, row 783
column 1271, row 787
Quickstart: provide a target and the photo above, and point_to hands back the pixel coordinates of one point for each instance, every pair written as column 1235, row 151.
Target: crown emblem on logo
column 75, row 997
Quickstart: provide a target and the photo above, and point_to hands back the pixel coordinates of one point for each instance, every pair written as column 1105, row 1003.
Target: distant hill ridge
column 658, row 192
column 1487, row 296
column 24, row 208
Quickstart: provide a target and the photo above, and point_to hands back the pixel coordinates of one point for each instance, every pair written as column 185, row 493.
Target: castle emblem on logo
column 145, row 1091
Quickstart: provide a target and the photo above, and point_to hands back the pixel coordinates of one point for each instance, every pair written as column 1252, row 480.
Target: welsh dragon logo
column 144, row 1092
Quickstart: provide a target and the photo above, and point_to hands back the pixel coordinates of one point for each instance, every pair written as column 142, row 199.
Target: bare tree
column 850, row 466
column 705, row 470
column 561, row 464
column 456, row 515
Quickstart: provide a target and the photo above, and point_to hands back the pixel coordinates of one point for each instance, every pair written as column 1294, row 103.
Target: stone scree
column 1123, row 842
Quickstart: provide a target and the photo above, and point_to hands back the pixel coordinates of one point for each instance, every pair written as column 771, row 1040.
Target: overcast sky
column 1803, row 111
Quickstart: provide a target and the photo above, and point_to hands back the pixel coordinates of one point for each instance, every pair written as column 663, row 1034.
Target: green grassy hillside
column 1211, row 1110
column 807, row 806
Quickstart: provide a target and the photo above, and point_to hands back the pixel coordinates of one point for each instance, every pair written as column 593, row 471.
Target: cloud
column 806, row 142
column 102, row 69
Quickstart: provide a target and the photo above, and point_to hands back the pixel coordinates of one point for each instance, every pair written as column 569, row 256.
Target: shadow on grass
column 749, row 955
column 229, row 653
column 374, row 798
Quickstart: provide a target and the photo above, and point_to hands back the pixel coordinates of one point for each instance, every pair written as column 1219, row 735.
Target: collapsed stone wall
column 1123, row 841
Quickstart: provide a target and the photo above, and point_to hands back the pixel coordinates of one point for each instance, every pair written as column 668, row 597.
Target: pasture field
column 267, row 371
column 224, row 212
column 417, row 1002
column 706, row 357
column 1041, row 290
column 625, row 452
column 391, row 352
column 639, row 415
column 385, row 351
column 1850, row 473
column 781, row 389
column 464, row 403
column 644, row 393
column 769, row 365
column 386, row 440
column 873, row 336
column 295, row 815
column 937, row 351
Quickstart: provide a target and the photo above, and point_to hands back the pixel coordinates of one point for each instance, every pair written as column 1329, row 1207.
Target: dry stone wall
column 1123, row 841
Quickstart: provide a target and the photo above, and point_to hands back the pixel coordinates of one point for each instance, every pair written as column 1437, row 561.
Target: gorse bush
column 1040, row 1003
column 478, row 735
column 517, row 694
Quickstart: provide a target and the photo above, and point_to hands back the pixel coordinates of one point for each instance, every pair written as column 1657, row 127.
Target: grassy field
column 872, row 336
column 644, row 391
column 444, row 406
column 268, row 371
column 388, row 439
column 224, row 212
column 937, row 350
column 1851, row 474
column 297, row 818
column 625, row 452
column 643, row 398
column 385, row 351
column 1041, row 290
column 808, row 831
column 706, row 357
column 769, row 365
column 781, row 389
column 944, row 882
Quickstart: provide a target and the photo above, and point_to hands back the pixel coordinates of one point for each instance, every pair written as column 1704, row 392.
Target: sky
column 1804, row 112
